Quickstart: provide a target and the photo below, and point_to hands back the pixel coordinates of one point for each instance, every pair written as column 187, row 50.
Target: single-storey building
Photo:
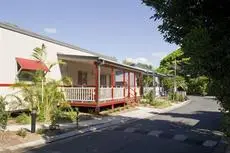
column 96, row 78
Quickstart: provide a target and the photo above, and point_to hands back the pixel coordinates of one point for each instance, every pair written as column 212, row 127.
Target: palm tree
column 42, row 94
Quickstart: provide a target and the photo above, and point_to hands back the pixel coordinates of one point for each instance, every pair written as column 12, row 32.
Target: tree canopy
column 201, row 28
column 140, row 65
column 167, row 64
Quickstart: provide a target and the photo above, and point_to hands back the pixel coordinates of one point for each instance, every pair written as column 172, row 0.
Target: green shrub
column 148, row 98
column 41, row 131
column 91, row 111
column 3, row 114
column 22, row 133
column 56, row 115
column 226, row 124
column 176, row 97
column 71, row 115
column 198, row 86
column 160, row 103
column 180, row 98
column 60, row 116
column 23, row 119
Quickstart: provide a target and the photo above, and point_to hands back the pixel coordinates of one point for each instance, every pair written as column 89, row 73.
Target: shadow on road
column 197, row 127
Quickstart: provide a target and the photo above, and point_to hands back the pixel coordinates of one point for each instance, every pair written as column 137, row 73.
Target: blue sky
column 119, row 28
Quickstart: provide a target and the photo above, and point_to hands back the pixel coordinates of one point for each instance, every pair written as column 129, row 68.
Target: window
column 82, row 78
column 103, row 80
column 26, row 68
column 25, row 75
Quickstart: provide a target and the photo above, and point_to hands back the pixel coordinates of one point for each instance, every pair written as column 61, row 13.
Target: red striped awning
column 27, row 64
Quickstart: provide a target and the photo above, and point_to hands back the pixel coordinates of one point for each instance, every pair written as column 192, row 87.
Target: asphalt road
column 193, row 128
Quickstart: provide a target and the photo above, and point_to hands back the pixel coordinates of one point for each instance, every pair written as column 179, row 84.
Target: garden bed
column 158, row 103
column 118, row 110
column 10, row 138
column 24, row 119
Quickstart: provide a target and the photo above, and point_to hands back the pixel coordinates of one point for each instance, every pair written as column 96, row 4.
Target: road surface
column 193, row 128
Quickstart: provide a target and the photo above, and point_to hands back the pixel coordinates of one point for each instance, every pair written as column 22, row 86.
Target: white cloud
column 50, row 30
column 139, row 60
column 159, row 55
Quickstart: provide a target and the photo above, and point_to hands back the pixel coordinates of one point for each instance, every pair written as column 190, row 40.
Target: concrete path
column 189, row 129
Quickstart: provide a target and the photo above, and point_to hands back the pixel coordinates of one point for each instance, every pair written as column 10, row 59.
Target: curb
column 175, row 106
column 88, row 130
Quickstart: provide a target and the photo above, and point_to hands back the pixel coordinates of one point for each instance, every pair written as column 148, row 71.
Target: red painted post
column 128, row 84
column 97, row 90
column 141, row 84
column 96, row 81
column 134, row 84
column 124, row 83
column 134, row 77
column 112, row 81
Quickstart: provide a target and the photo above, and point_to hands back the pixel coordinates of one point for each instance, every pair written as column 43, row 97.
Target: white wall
column 13, row 44
column 72, row 68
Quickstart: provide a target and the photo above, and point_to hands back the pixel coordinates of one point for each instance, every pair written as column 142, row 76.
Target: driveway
column 189, row 129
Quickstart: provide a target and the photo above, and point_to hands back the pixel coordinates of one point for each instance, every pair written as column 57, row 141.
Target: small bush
column 60, row 116
column 226, row 124
column 160, row 103
column 56, row 115
column 3, row 114
column 22, row 133
column 41, row 131
column 91, row 111
column 180, row 98
column 23, row 119
column 176, row 97
column 149, row 96
column 71, row 115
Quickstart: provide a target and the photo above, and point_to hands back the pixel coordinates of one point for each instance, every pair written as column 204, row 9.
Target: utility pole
column 175, row 85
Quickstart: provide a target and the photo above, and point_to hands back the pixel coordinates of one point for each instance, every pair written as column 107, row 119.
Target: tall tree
column 201, row 27
column 167, row 64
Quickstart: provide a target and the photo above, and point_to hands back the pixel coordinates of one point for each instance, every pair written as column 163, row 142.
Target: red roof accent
column 27, row 64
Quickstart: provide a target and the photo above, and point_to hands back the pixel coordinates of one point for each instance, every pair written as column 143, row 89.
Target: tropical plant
column 149, row 96
column 42, row 94
column 176, row 97
column 23, row 119
column 167, row 64
column 168, row 83
column 198, row 85
column 3, row 113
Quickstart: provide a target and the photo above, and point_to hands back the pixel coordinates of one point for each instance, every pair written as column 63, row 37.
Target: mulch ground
column 9, row 138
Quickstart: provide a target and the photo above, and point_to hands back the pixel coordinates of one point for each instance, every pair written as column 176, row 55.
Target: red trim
column 113, row 102
column 6, row 84
column 80, row 86
column 124, row 85
column 101, row 104
column 83, row 104
column 134, row 77
column 96, row 81
column 112, row 81
column 128, row 84
column 141, row 84
column 28, row 64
